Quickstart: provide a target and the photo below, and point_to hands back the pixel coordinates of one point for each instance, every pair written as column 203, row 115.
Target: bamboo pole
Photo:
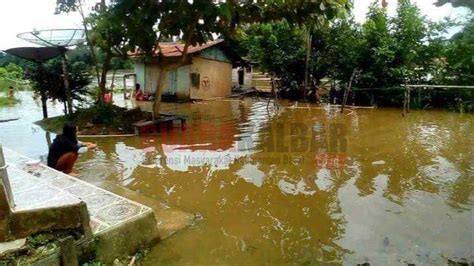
column 419, row 98
column 425, row 86
column 409, row 99
column 347, row 90
column 404, row 101
column 66, row 84
column 306, row 68
column 124, row 87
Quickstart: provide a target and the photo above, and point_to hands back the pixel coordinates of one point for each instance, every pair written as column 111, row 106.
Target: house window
column 195, row 80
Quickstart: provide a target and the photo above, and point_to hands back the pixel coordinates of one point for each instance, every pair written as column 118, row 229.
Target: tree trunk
column 66, row 85
column 112, row 84
column 306, row 67
column 164, row 69
column 44, row 104
column 103, row 76
column 348, row 90
column 159, row 91
column 89, row 44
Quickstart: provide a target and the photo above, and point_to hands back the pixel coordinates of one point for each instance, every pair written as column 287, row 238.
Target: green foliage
column 279, row 49
column 48, row 77
column 7, row 101
column 11, row 71
column 126, row 25
column 100, row 118
column 378, row 51
column 459, row 57
column 336, row 50
column 199, row 20
column 388, row 52
column 457, row 3
column 6, row 59
column 80, row 57
column 10, row 75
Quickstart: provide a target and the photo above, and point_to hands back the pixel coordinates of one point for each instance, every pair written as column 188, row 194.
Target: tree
column 457, row 3
column 337, row 50
column 279, row 49
column 11, row 71
column 47, row 80
column 6, row 59
column 410, row 32
column 459, row 57
column 104, row 35
column 142, row 24
column 378, row 50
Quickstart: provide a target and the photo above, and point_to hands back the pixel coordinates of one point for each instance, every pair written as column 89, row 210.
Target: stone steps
column 118, row 226
column 38, row 186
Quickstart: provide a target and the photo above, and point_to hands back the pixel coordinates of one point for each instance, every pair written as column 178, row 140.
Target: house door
column 241, row 76
column 173, row 81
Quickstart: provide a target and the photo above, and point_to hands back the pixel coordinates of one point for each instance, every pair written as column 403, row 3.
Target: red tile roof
column 176, row 49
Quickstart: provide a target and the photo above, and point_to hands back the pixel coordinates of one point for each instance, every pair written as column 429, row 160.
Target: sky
column 17, row 16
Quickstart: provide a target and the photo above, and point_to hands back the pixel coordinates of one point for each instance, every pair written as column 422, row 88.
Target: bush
column 7, row 101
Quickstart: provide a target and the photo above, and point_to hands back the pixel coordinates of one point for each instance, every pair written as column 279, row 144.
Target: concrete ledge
column 113, row 225
column 25, row 223
column 128, row 238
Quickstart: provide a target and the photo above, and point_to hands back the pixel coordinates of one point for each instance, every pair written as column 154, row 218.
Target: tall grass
column 7, row 101
column 5, row 84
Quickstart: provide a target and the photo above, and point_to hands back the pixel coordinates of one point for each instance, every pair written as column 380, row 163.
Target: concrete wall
column 184, row 82
column 140, row 74
column 215, row 78
column 215, row 53
column 147, row 76
column 152, row 73
column 248, row 77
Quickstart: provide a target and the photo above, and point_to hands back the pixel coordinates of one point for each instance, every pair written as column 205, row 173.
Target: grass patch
column 7, row 101
column 53, row 124
column 98, row 120
column 5, row 84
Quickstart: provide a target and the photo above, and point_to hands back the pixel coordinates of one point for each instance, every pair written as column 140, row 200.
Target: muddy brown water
column 301, row 185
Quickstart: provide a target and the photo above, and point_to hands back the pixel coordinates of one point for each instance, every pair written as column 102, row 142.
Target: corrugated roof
column 176, row 49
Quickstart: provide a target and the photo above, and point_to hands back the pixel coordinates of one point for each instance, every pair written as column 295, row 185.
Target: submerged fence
column 419, row 96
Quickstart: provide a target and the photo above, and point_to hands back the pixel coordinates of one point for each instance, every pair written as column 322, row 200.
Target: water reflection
column 305, row 184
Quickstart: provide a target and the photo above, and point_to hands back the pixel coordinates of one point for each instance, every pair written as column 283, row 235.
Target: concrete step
column 120, row 226
column 107, row 210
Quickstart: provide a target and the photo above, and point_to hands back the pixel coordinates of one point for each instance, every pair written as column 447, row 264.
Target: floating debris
column 170, row 190
column 148, row 165
column 198, row 216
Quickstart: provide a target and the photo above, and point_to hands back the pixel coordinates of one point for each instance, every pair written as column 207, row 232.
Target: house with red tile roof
column 205, row 74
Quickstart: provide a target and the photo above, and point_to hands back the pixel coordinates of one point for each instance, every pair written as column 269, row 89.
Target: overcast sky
column 18, row 16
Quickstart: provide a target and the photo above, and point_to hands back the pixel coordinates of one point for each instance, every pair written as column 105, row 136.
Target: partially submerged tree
column 47, row 81
column 337, row 50
column 131, row 24
column 279, row 50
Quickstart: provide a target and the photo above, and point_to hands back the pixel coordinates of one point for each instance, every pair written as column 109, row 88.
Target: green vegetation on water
column 7, row 101
column 97, row 120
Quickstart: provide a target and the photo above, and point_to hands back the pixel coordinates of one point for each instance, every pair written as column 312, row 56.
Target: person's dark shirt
column 61, row 145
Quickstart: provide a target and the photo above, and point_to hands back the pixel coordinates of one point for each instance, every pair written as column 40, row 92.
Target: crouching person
column 65, row 149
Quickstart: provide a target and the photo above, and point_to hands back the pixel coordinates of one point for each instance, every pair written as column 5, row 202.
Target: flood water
column 298, row 185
